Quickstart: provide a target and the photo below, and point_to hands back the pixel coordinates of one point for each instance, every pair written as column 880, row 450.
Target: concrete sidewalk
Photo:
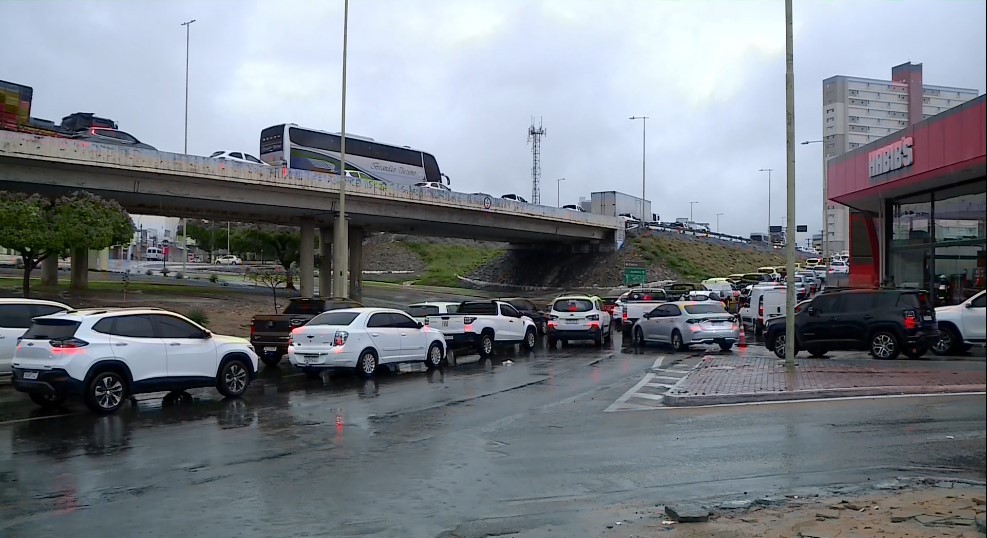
column 728, row 379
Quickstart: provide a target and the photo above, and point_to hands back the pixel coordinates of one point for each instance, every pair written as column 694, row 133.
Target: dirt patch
column 929, row 512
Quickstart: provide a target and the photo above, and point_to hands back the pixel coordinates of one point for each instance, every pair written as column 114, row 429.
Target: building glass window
column 961, row 213
column 959, row 273
column 911, row 221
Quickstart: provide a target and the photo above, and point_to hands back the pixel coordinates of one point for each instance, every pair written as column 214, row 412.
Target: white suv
column 578, row 317
column 106, row 355
column 961, row 326
column 15, row 318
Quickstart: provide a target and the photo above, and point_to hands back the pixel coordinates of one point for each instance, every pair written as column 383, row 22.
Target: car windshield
column 711, row 308
column 573, row 305
column 338, row 319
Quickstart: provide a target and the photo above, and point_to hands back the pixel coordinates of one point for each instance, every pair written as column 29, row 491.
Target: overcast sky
column 462, row 79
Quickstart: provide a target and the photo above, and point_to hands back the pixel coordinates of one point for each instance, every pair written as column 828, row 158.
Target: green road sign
column 635, row 275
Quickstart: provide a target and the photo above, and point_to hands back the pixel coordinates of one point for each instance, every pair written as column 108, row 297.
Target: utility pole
column 768, row 170
column 790, row 172
column 718, row 222
column 558, row 191
column 340, row 250
column 188, row 27
column 690, row 211
column 644, row 163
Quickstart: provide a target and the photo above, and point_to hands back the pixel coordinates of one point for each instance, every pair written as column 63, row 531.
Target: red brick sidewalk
column 719, row 380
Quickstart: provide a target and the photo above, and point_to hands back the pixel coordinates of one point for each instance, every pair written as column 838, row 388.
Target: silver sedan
column 684, row 323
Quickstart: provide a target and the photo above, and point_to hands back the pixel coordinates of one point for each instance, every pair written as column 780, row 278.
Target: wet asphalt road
column 483, row 448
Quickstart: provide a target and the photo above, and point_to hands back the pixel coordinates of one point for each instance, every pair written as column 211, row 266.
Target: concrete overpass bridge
column 178, row 185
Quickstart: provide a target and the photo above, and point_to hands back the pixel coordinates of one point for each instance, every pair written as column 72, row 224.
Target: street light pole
column 188, row 28
column 340, row 249
column 644, row 161
column 718, row 222
column 790, row 172
column 825, row 197
column 558, row 191
column 690, row 211
column 768, row 170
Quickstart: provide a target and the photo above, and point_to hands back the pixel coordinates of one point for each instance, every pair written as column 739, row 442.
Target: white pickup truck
column 639, row 302
column 483, row 326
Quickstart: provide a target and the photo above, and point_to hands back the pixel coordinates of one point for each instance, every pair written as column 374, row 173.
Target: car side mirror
column 969, row 305
column 811, row 311
column 647, row 315
column 207, row 334
column 420, row 325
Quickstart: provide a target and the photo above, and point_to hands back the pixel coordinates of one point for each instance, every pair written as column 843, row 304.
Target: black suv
column 884, row 322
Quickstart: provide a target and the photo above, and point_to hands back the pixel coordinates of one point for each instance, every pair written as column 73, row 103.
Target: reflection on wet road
column 414, row 453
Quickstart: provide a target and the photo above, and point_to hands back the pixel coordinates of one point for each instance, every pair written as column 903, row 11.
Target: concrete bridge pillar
column 356, row 263
column 49, row 271
column 325, row 261
column 306, row 260
column 80, row 268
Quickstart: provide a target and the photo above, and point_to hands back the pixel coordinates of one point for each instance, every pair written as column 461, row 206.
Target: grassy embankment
column 444, row 262
column 697, row 261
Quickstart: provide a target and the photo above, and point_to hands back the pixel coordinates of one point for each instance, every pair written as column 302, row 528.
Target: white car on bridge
column 364, row 338
column 237, row 156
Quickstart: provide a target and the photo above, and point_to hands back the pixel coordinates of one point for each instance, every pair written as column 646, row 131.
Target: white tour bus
column 318, row 151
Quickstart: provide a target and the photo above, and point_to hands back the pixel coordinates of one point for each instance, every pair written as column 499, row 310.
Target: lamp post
column 558, row 191
column 768, row 170
column 644, row 160
column 188, row 31
column 718, row 222
column 341, row 247
column 790, row 177
column 690, row 211
column 825, row 196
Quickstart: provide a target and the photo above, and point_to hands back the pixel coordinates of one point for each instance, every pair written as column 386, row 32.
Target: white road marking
column 627, row 395
column 18, row 420
column 658, row 362
column 840, row 398
column 668, row 376
column 648, row 396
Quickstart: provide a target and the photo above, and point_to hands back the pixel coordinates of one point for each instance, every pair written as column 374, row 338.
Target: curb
column 672, row 400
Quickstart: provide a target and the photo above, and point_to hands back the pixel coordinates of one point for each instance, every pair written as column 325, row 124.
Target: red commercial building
column 918, row 200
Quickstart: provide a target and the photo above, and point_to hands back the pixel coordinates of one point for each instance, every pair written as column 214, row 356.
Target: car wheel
column 598, row 339
column 677, row 344
column 233, row 379
column 778, row 346
column 947, row 342
column 639, row 337
column 542, row 328
column 49, row 400
column 106, row 392
column 434, row 357
column 367, row 364
column 530, row 339
column 608, row 336
column 270, row 361
column 884, row 345
column 817, row 351
column 726, row 346
column 486, row 345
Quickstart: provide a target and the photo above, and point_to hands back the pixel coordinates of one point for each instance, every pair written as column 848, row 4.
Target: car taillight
column 593, row 317
column 911, row 320
column 468, row 320
column 68, row 343
column 339, row 338
column 252, row 331
column 623, row 314
column 760, row 308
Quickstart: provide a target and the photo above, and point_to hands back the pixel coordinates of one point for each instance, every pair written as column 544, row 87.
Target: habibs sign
column 891, row 157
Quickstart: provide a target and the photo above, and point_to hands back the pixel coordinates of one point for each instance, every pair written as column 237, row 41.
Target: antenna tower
column 534, row 138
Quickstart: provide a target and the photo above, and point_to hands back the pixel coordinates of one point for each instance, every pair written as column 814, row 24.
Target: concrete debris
column 740, row 504
column 688, row 513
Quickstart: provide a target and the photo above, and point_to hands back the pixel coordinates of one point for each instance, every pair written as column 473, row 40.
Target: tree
column 284, row 243
column 38, row 227
column 208, row 238
column 270, row 277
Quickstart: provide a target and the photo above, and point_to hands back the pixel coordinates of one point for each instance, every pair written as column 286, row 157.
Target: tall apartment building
column 857, row 111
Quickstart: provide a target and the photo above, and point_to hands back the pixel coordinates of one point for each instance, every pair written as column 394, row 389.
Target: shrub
column 198, row 315
column 214, row 278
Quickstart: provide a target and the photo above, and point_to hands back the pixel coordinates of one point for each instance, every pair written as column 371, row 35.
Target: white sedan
column 238, row 156
column 432, row 185
column 229, row 259
column 364, row 338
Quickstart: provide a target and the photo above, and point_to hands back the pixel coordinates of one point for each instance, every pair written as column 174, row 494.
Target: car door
column 386, row 338
column 649, row 324
column 974, row 319
column 513, row 326
column 852, row 321
column 669, row 316
column 412, row 338
column 134, row 341
column 818, row 323
column 191, row 351
column 15, row 319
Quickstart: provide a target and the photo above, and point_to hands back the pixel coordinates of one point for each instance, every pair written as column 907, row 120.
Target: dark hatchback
column 884, row 322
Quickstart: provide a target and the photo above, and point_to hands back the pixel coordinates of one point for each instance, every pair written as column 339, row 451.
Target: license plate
column 571, row 321
column 270, row 349
column 30, row 375
column 927, row 318
column 445, row 323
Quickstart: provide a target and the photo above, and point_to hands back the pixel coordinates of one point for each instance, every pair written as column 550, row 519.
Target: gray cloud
column 463, row 78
